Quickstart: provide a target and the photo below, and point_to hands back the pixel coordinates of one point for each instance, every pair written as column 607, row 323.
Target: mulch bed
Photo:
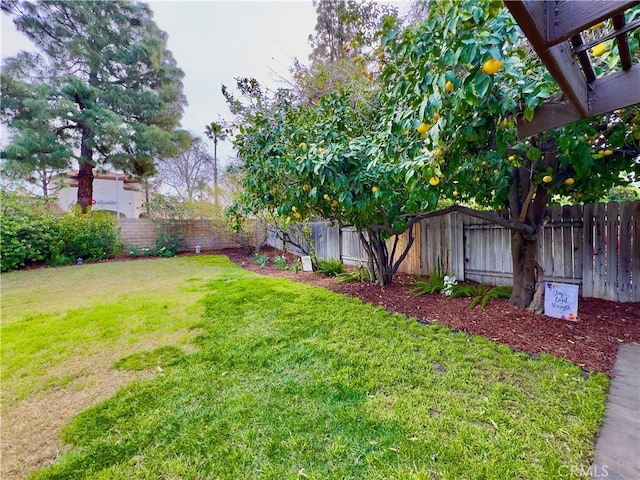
column 591, row 342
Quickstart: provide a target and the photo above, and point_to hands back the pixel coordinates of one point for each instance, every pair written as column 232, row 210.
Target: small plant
column 261, row 259
column 480, row 293
column 330, row 267
column 434, row 284
column 280, row 262
column 360, row 274
column 295, row 266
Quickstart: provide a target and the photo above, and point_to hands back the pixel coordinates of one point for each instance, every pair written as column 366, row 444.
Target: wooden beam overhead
column 566, row 18
column 617, row 90
column 623, row 43
column 583, row 57
column 532, row 18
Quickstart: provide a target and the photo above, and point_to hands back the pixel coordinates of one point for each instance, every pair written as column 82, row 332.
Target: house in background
column 116, row 193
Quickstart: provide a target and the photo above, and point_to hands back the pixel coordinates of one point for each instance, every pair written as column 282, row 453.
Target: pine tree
column 106, row 87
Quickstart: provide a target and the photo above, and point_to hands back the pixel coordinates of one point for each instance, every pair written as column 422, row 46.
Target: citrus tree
column 460, row 79
column 434, row 118
column 302, row 161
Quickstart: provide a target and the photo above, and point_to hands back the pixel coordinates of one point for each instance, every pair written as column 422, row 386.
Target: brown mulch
column 591, row 342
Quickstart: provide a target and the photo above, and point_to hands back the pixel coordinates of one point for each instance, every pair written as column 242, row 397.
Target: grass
column 52, row 316
column 290, row 381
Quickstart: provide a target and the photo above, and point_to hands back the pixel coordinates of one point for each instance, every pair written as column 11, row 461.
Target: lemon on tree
column 492, row 66
column 423, row 128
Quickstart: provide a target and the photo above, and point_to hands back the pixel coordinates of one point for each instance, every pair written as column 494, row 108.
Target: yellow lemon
column 326, row 197
column 491, row 66
column 433, row 181
column 569, row 181
column 306, row 187
column 547, row 179
column 423, row 128
column 436, row 116
column 455, row 193
column 448, row 86
column 374, row 189
column 608, row 152
column 599, row 50
column 437, row 153
column 512, row 158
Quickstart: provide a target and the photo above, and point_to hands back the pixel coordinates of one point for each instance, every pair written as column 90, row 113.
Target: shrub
column 28, row 230
column 330, row 267
column 91, row 236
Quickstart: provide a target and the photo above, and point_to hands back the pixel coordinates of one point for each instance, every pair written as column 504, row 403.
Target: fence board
column 635, row 253
column 567, row 241
column 587, row 250
column 577, row 245
column 600, row 251
column 624, row 254
column 611, row 242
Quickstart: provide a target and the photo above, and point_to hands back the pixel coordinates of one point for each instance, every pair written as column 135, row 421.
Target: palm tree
column 215, row 131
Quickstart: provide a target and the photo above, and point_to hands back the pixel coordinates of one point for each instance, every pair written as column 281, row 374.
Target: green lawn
column 290, row 381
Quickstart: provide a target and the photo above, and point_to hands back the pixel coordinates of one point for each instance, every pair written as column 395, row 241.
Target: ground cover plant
column 292, row 381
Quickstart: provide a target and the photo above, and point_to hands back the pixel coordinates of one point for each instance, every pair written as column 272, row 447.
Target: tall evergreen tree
column 106, row 87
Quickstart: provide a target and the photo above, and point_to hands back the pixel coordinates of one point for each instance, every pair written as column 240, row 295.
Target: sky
column 214, row 42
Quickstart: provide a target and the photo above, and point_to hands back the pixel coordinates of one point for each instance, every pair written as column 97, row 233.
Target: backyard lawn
column 235, row 375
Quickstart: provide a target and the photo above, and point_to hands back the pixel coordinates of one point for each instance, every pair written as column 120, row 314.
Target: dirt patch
column 591, row 343
column 30, row 427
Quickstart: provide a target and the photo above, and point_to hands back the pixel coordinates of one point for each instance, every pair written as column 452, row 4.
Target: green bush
column 28, row 229
column 32, row 233
column 91, row 236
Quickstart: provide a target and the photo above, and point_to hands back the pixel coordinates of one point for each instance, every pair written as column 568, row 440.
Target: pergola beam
column 617, row 90
column 549, row 25
column 568, row 18
column 533, row 18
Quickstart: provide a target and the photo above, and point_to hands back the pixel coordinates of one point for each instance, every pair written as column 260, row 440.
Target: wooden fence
column 594, row 246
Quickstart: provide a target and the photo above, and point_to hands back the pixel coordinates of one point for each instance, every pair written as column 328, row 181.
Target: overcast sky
column 214, row 42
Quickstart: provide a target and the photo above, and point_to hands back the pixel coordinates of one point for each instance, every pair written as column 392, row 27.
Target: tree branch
column 489, row 216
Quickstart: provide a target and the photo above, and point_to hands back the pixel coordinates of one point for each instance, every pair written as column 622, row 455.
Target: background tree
column 110, row 91
column 216, row 132
column 188, row 173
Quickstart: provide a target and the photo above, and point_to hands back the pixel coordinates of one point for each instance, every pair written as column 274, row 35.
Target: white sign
column 306, row 264
column 561, row 301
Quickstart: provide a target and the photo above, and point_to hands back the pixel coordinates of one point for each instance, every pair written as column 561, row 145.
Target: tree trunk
column 85, row 174
column 215, row 172
column 524, row 250
column 382, row 264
